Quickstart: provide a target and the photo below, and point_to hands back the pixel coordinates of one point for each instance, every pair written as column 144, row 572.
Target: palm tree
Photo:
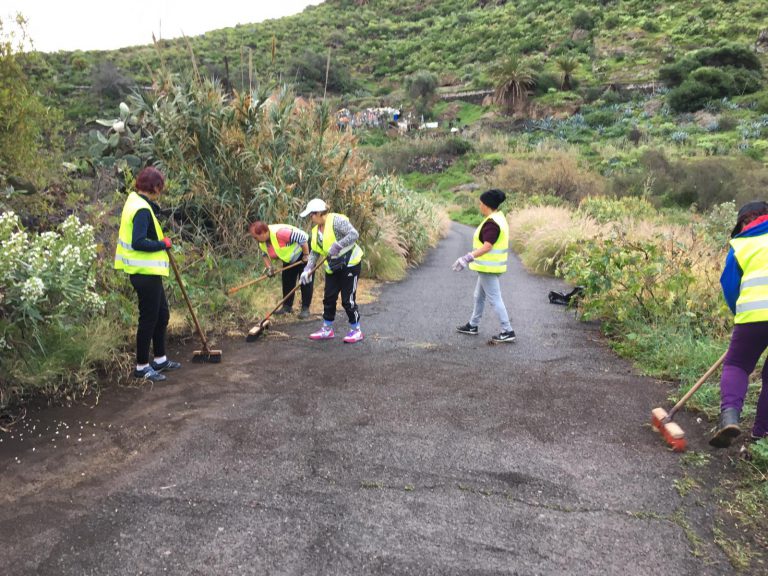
column 513, row 79
column 567, row 65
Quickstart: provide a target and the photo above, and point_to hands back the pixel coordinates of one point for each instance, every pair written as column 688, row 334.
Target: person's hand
column 334, row 250
column 462, row 262
column 306, row 276
column 167, row 242
column 269, row 271
column 305, row 258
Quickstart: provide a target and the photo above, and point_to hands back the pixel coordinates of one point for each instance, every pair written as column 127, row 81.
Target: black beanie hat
column 756, row 207
column 492, row 198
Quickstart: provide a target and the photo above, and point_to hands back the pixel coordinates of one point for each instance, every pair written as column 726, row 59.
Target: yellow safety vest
column 751, row 253
column 495, row 260
column 286, row 253
column 329, row 237
column 135, row 261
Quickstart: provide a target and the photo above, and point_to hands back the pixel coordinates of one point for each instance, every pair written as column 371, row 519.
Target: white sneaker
column 354, row 335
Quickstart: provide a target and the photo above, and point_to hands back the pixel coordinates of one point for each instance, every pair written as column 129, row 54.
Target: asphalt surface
column 418, row 451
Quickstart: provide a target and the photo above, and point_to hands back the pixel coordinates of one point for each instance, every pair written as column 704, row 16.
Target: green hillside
column 375, row 44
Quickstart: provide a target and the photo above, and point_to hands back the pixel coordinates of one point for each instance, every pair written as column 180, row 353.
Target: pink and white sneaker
column 325, row 333
column 354, row 335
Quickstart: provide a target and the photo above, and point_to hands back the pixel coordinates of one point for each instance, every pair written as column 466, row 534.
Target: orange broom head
column 658, row 415
column 674, row 436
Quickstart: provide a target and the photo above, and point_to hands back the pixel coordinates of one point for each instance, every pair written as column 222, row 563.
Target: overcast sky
column 107, row 24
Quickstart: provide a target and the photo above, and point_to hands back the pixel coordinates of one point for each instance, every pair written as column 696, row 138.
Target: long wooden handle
column 696, row 386
column 293, row 290
column 186, row 299
column 259, row 279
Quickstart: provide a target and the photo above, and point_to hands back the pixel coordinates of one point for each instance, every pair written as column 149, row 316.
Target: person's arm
column 346, row 234
column 140, row 241
column 730, row 280
column 489, row 235
column 312, row 260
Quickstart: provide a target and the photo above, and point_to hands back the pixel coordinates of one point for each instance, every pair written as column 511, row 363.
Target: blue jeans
column 488, row 288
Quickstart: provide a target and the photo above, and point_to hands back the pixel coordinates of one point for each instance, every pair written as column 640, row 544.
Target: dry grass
column 542, row 235
column 557, row 173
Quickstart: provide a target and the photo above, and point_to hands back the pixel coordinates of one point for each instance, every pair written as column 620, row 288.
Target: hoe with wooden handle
column 259, row 279
column 661, row 420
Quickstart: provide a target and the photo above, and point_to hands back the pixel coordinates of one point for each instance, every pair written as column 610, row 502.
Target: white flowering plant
column 45, row 279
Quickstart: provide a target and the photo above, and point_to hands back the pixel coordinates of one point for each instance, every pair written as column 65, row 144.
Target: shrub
column 583, row 19
column 604, row 210
column 602, row 118
column 47, row 300
column 558, row 175
column 691, row 96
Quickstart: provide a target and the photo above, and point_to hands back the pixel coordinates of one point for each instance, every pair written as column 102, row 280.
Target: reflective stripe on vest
column 135, row 261
column 752, row 256
column 286, row 253
column 495, row 260
column 329, row 237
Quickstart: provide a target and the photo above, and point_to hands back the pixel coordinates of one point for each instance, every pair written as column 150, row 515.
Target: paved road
column 420, row 451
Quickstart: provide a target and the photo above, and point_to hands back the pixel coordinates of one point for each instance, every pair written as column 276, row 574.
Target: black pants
column 343, row 281
column 289, row 278
column 153, row 316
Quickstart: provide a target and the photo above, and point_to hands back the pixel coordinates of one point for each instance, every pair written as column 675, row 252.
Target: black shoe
column 304, row 314
column 167, row 366
column 728, row 429
column 149, row 373
column 467, row 329
column 504, row 336
column 284, row 310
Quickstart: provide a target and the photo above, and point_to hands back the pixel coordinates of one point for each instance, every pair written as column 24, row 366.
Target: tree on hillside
column 567, row 66
column 109, row 83
column 513, row 80
column 421, row 87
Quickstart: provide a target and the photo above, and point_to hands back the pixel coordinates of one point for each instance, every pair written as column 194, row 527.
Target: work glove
column 167, row 242
column 269, row 271
column 334, row 250
column 462, row 262
column 306, row 276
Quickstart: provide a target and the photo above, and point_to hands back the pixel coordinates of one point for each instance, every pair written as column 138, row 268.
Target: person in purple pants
column 745, row 286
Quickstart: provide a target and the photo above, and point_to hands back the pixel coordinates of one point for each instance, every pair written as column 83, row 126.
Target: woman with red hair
column 287, row 244
column 141, row 253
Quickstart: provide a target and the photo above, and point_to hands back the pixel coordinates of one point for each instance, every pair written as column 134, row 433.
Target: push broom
column 206, row 354
column 255, row 332
column 235, row 289
column 661, row 420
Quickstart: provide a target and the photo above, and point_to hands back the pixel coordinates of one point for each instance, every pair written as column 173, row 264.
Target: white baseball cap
column 314, row 205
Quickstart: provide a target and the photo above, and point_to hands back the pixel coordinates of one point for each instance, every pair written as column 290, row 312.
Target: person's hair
column 258, row 227
column 149, row 179
column 747, row 217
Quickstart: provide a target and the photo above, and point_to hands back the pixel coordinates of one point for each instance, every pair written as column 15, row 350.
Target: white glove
column 306, row 276
column 462, row 262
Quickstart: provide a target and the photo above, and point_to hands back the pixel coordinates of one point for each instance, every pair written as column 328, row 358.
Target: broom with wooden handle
column 255, row 332
column 661, row 420
column 206, row 354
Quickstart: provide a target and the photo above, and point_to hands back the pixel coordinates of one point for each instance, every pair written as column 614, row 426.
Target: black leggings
column 343, row 281
column 289, row 278
column 153, row 316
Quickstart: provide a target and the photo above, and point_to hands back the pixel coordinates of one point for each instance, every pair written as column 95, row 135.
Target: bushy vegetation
column 52, row 333
column 375, row 43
